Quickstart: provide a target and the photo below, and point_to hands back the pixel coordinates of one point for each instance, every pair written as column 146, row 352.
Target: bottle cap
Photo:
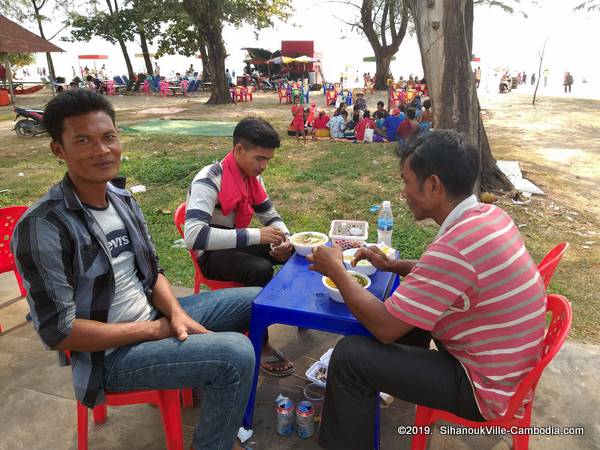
column 386, row 204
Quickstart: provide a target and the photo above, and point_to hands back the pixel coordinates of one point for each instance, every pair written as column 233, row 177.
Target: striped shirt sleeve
column 201, row 203
column 440, row 281
column 43, row 255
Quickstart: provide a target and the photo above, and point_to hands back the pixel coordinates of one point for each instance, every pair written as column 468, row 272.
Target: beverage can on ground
column 285, row 415
column 305, row 419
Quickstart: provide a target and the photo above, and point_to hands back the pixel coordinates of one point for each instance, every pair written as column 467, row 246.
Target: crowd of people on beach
column 358, row 123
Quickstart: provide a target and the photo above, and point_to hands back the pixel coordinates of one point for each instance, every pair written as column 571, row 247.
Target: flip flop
column 276, row 357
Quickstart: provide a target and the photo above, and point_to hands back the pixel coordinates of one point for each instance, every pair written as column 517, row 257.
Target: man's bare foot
column 274, row 363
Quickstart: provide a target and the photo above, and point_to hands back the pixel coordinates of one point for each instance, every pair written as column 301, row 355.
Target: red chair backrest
column 549, row 263
column 179, row 218
column 199, row 278
column 560, row 324
column 9, row 217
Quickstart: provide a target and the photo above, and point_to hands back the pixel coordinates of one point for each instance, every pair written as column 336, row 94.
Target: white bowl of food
column 363, row 266
column 333, row 291
column 304, row 242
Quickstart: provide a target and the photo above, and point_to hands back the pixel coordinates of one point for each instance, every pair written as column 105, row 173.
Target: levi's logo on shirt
column 118, row 242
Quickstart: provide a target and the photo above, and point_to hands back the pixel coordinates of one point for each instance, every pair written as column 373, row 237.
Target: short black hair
column 255, row 131
column 444, row 153
column 427, row 104
column 411, row 113
column 366, row 114
column 73, row 103
column 380, row 103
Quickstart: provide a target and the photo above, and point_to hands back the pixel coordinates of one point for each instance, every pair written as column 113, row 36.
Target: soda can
column 285, row 415
column 305, row 419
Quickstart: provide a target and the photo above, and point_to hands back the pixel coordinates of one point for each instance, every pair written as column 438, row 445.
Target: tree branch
column 58, row 32
column 386, row 8
column 403, row 27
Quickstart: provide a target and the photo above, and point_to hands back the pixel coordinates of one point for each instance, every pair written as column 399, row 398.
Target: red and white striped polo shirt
column 479, row 292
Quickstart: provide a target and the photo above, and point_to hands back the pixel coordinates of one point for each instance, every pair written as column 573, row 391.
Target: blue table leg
column 257, row 333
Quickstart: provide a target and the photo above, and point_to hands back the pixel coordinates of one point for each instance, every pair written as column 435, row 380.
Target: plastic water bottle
column 385, row 223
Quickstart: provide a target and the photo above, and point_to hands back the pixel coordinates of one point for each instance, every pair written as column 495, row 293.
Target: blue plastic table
column 296, row 296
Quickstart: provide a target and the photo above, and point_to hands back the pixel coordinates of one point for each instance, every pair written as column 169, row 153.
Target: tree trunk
column 205, row 64
column 145, row 52
column 130, row 72
column 446, row 54
column 541, row 55
column 219, row 91
column 38, row 17
column 207, row 18
column 383, row 59
column 377, row 36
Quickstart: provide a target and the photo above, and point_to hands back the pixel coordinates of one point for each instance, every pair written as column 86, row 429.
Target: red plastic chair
column 146, row 87
column 560, row 310
column 311, row 115
column 199, row 278
column 166, row 400
column 164, row 89
column 248, row 92
column 9, row 217
column 394, row 98
column 110, row 87
column 549, row 263
column 184, row 86
column 330, row 97
column 283, row 94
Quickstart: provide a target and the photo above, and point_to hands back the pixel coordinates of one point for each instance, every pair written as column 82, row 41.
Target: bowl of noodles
column 304, row 242
column 363, row 266
column 334, row 292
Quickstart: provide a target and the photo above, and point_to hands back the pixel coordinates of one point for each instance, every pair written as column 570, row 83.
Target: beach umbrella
column 93, row 57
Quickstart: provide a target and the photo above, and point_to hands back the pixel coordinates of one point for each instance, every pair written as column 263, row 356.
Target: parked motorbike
column 31, row 123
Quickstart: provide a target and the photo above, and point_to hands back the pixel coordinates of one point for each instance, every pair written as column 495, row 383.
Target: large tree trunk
column 206, row 16
column 444, row 34
column 145, row 52
column 219, row 92
column 130, row 72
column 205, row 64
column 383, row 59
column 114, row 10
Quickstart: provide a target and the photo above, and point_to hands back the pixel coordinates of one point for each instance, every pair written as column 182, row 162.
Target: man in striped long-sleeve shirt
column 475, row 290
column 223, row 198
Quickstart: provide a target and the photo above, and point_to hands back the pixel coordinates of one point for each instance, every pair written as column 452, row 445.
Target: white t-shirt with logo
column 130, row 303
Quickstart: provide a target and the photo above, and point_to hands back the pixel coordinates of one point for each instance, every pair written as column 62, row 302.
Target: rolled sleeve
column 43, row 255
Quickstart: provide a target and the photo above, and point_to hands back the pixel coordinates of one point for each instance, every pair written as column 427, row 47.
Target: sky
column 500, row 40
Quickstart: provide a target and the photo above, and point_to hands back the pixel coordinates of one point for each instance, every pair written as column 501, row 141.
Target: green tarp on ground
column 187, row 127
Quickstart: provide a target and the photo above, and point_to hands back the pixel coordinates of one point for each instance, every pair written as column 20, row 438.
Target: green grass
column 310, row 186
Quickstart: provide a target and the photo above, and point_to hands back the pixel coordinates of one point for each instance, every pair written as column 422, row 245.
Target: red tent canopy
column 92, row 56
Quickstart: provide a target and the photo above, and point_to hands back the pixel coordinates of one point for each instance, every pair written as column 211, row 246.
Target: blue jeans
column 221, row 363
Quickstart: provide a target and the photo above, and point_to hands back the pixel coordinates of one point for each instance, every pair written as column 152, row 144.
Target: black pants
column 361, row 366
column 251, row 266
